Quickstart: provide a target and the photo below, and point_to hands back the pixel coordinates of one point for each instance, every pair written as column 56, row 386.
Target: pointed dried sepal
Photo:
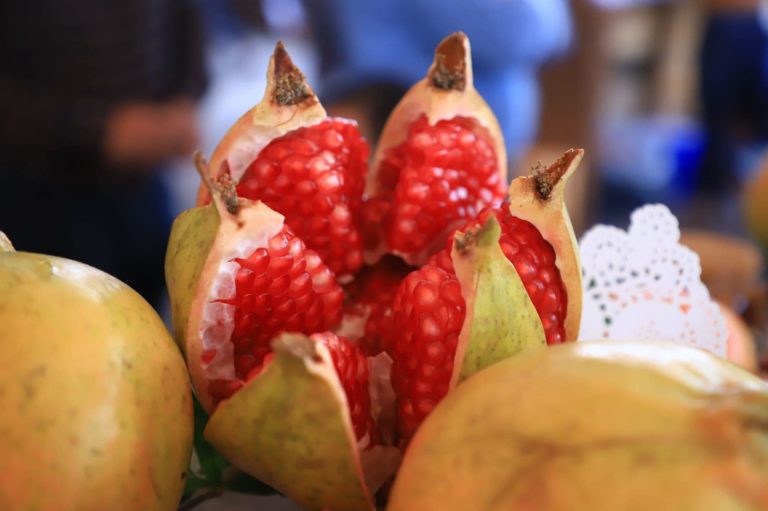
column 5, row 243
column 289, row 427
column 288, row 104
column 501, row 320
column 540, row 199
column 446, row 92
column 452, row 67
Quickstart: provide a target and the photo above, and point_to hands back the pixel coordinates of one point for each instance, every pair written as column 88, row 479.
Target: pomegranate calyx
column 551, row 178
column 299, row 438
column 501, row 319
column 290, row 87
column 449, row 70
column 222, row 188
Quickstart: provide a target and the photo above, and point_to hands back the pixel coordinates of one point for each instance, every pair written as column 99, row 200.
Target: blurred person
column 371, row 52
column 733, row 86
column 95, row 97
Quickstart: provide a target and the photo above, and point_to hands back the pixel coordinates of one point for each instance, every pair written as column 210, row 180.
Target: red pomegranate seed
column 431, row 183
column 315, row 177
column 352, row 368
column 428, row 314
column 283, row 287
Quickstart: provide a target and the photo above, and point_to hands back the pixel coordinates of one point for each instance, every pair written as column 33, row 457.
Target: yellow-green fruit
column 594, row 426
column 96, row 406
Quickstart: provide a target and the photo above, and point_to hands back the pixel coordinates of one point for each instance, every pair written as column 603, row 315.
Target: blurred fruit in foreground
column 97, row 406
column 594, row 426
column 741, row 342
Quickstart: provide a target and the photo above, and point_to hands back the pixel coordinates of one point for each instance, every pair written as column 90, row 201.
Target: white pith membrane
column 249, row 143
column 217, row 321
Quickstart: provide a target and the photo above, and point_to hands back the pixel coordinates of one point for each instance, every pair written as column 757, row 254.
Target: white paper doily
column 643, row 284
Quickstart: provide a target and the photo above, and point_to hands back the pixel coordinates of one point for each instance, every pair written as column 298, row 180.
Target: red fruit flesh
column 428, row 313
column 315, row 176
column 283, row 287
column 370, row 296
column 431, row 183
column 352, row 368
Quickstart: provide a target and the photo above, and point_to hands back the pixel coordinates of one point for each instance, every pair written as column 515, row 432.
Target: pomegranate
column 310, row 168
column 594, row 426
column 98, row 410
column 430, row 308
column 297, row 372
column 441, row 160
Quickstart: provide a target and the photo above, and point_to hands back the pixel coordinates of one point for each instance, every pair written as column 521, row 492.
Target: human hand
column 143, row 134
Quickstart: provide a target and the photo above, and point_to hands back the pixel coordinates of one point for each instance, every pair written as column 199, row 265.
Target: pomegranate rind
column 288, row 104
column 501, row 320
column 540, row 199
column 594, row 426
column 98, row 409
column 290, row 428
column 190, row 242
column 238, row 234
column 438, row 104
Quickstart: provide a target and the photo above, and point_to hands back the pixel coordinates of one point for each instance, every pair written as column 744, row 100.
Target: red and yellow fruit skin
column 288, row 104
column 594, row 426
column 540, row 199
column 97, row 406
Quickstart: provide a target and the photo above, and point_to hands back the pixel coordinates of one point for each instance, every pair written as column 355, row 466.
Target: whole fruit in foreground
column 594, row 426
column 97, row 409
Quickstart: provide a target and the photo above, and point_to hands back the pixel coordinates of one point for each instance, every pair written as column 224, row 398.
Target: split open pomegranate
column 315, row 369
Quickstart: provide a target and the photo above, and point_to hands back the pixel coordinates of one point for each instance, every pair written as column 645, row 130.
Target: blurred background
column 103, row 102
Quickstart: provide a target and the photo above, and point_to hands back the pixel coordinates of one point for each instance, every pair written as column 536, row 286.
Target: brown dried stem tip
column 548, row 177
column 290, row 85
column 224, row 186
column 449, row 71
